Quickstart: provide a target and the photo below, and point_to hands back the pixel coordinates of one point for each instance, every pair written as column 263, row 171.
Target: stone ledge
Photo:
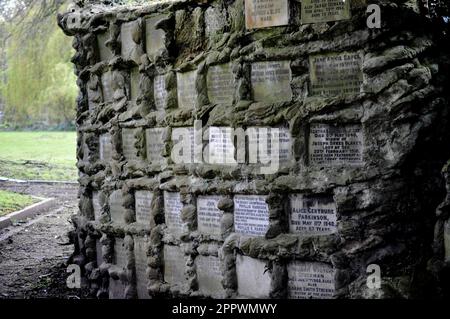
column 27, row 212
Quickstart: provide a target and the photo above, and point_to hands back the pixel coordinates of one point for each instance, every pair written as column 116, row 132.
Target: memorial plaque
column 143, row 205
column 107, row 89
column 140, row 257
column 186, row 89
column 266, row 13
column 120, row 253
column 336, row 145
column 155, row 40
column 155, row 139
column 269, row 145
column 174, row 265
column 271, row 81
column 99, row 253
column 251, row 215
column 131, row 50
column 116, row 289
column 252, row 278
column 220, row 84
column 314, row 11
column 106, row 147
column 312, row 215
column 310, row 280
column 208, row 215
column 336, row 73
column 96, row 205
column 183, row 139
column 129, row 140
column 221, row 146
column 135, row 77
column 447, row 240
column 116, row 208
column 215, row 21
column 160, row 92
column 105, row 53
column 209, row 275
column 172, row 211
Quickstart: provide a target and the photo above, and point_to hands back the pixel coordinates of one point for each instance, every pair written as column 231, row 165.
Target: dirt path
column 33, row 254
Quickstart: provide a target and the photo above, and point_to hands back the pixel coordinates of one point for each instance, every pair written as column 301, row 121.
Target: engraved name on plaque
column 271, row 81
column 251, row 215
column 315, row 11
column 331, row 145
column 116, row 208
column 154, row 138
column 106, row 147
column 172, row 211
column 129, row 140
column 268, row 144
column 209, row 275
column 266, row 13
column 220, row 84
column 143, row 205
column 209, row 215
column 186, row 89
column 221, row 146
column 310, row 280
column 107, row 89
column 160, row 92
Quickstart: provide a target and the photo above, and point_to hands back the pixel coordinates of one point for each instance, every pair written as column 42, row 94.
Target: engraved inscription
column 266, row 13
column 308, row 280
column 220, row 84
column 271, row 81
column 209, row 215
column 251, row 215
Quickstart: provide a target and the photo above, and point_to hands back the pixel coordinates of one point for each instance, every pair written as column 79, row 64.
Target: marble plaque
column 183, row 139
column 172, row 212
column 447, row 240
column 269, row 145
column 160, row 92
column 107, row 89
column 105, row 53
column 99, row 253
column 252, row 278
column 186, row 89
column 143, row 206
column 116, row 208
column 129, row 141
column 135, row 77
column 266, row 13
column 221, row 146
column 208, row 215
column 155, row 140
column 312, row 215
column 106, row 147
column 220, row 84
column 336, row 73
column 140, row 257
column 96, row 205
column 131, row 49
column 174, row 265
column 271, row 81
column 314, row 11
column 155, row 39
column 120, row 253
column 209, row 275
column 251, row 215
column 310, row 280
column 336, row 145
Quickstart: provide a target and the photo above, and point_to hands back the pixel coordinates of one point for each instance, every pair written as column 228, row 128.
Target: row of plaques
column 309, row 215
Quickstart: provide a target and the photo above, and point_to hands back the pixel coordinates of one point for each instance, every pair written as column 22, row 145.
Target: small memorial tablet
column 160, row 92
column 186, row 89
column 143, row 205
column 310, row 280
column 209, row 275
column 172, row 211
column 116, row 289
column 129, row 140
column 99, row 253
column 154, row 138
column 220, row 84
column 208, row 215
column 116, row 208
column 314, row 11
column 266, row 13
column 336, row 145
column 174, row 265
column 253, row 279
column 131, row 50
column 154, row 38
column 269, row 144
column 312, row 215
column 251, row 215
column 183, row 140
column 336, row 74
column 106, row 147
column 221, row 146
column 104, row 52
column 120, row 253
column 271, row 81
column 96, row 205
column 140, row 257
column 108, row 92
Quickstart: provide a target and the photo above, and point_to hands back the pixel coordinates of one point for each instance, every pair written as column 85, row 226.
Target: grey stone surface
column 253, row 280
column 131, row 41
column 174, row 266
column 155, row 41
column 209, row 276
column 140, row 257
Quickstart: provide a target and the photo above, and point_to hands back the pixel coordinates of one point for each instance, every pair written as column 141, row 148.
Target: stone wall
column 361, row 115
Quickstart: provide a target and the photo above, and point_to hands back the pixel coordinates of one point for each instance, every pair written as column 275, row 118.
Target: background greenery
column 11, row 202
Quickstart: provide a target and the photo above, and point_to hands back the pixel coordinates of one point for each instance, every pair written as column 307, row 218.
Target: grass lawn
column 38, row 155
column 11, row 202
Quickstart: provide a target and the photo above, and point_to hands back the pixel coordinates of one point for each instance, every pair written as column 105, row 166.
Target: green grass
column 11, row 202
column 38, row 155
